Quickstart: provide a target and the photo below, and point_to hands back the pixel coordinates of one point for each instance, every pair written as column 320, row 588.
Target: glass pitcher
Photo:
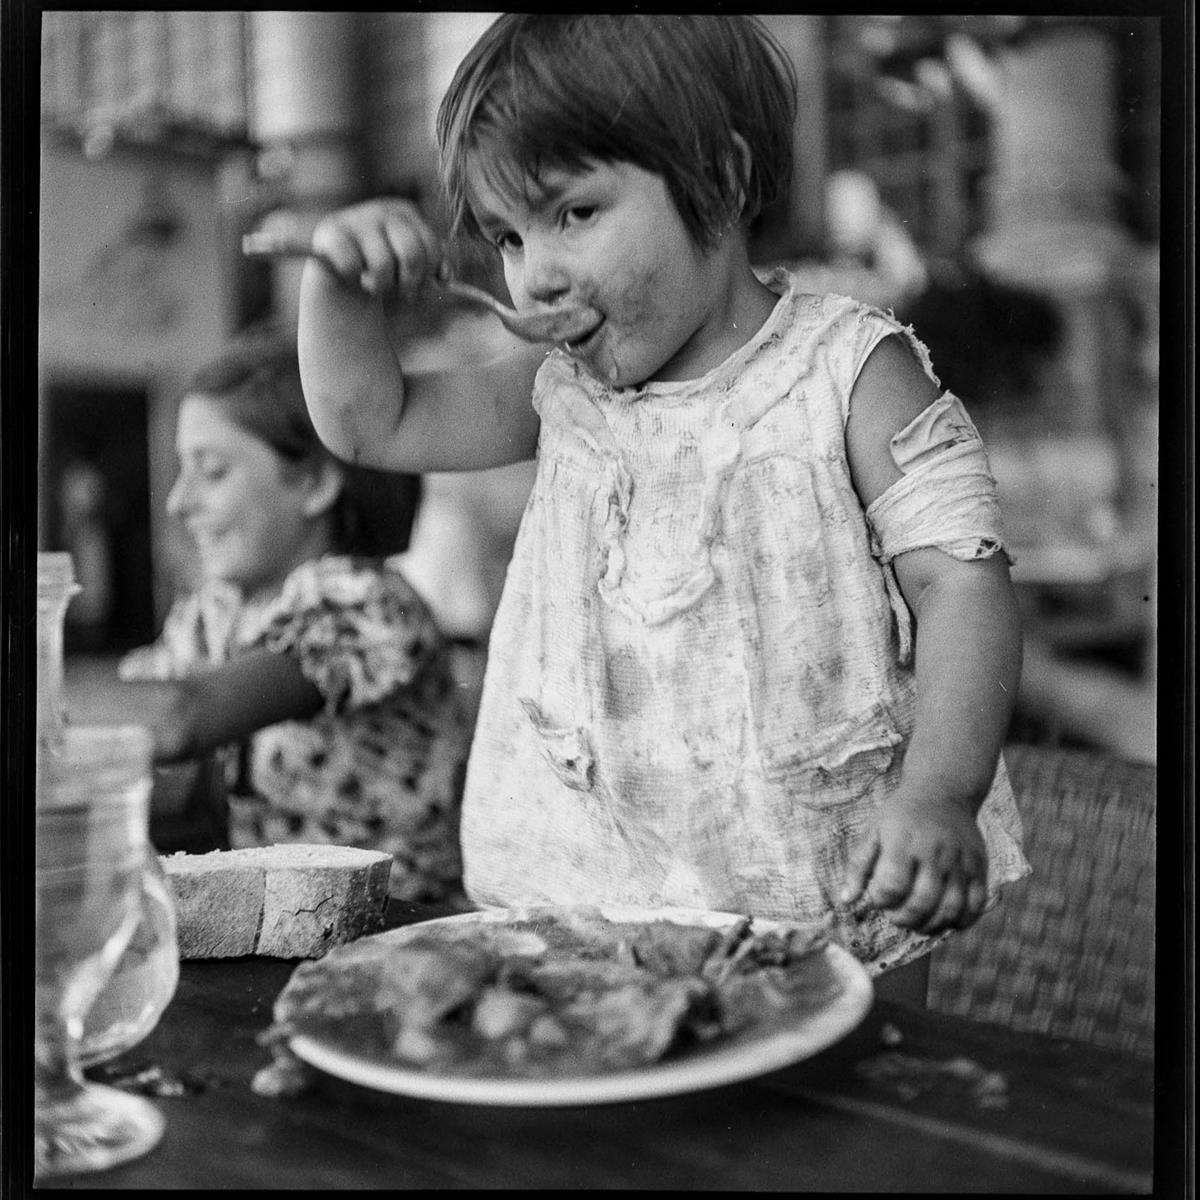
column 145, row 979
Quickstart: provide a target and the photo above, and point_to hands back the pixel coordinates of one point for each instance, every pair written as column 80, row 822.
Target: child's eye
column 506, row 242
column 579, row 214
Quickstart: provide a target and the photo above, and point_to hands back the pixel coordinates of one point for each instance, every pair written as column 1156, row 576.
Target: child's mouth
column 586, row 339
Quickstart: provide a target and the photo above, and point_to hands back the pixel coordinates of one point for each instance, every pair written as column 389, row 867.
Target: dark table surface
column 896, row 1106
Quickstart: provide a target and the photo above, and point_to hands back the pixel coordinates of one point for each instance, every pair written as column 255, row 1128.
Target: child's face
column 611, row 237
column 245, row 513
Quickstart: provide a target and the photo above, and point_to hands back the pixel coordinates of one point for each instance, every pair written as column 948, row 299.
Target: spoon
column 563, row 323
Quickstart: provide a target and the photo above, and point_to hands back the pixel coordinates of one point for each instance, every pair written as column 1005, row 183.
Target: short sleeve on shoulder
column 358, row 629
column 854, row 330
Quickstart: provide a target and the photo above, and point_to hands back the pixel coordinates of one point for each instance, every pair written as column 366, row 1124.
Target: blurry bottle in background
column 86, row 533
column 56, row 586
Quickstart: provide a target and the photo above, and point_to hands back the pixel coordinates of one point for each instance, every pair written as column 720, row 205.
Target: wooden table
column 870, row 1114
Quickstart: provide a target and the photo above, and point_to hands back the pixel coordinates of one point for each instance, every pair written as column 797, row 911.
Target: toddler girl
column 300, row 645
column 757, row 648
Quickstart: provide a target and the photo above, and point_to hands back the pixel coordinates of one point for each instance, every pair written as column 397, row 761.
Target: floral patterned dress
column 381, row 765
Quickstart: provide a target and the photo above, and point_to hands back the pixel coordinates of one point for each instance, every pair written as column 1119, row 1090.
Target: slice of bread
column 284, row 901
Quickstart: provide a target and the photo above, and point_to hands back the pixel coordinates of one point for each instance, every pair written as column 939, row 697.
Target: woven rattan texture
column 1070, row 949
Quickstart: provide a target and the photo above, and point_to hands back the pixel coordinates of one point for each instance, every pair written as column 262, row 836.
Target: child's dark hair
column 256, row 380
column 667, row 93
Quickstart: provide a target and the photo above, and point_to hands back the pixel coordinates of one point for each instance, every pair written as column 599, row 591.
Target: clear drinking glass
column 91, row 840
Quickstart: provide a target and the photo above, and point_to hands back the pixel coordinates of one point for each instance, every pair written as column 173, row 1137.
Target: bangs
column 524, row 124
column 512, row 164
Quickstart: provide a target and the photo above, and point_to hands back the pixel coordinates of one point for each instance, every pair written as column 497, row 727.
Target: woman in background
column 302, row 649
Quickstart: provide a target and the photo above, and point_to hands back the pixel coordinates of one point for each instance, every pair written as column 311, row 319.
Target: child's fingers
column 950, row 911
column 378, row 245
column 415, row 251
column 379, row 273
column 859, row 866
column 414, row 238
column 973, row 872
column 923, row 899
column 977, row 895
column 340, row 250
column 961, row 897
column 892, row 880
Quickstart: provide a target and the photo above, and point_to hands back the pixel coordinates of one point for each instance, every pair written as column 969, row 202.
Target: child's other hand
column 923, row 862
column 382, row 246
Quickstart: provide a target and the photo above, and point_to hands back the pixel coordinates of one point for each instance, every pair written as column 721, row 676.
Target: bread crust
column 284, row 901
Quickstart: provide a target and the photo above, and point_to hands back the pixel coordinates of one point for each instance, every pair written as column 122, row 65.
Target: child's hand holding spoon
column 559, row 323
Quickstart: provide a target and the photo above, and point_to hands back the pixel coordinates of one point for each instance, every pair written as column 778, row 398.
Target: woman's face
column 248, row 515
column 611, row 237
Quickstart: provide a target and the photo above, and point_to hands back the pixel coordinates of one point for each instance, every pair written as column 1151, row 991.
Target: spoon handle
column 269, row 245
column 550, row 326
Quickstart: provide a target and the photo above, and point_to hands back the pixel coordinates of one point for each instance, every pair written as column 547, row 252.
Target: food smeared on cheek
column 630, row 311
column 652, row 319
column 633, row 301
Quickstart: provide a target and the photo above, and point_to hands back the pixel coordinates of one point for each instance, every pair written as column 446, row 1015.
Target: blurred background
column 994, row 180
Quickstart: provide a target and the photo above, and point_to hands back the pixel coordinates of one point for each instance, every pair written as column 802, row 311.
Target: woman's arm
column 924, row 859
column 191, row 716
column 365, row 408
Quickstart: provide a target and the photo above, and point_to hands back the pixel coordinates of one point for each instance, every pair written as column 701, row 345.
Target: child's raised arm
column 923, row 859
column 364, row 407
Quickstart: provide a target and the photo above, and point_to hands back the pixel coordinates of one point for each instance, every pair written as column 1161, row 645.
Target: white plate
column 744, row 1057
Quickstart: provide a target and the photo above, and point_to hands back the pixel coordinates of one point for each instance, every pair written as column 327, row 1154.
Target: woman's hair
column 256, row 380
column 667, row 93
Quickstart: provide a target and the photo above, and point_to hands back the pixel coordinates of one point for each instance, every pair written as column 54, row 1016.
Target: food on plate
column 284, row 901
column 553, row 992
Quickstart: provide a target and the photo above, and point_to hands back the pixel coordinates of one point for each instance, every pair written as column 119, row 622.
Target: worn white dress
column 700, row 680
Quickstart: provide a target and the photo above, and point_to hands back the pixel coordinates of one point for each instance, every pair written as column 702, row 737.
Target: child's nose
column 546, row 278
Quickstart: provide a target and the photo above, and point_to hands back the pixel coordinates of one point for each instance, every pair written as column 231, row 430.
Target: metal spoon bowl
column 561, row 323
